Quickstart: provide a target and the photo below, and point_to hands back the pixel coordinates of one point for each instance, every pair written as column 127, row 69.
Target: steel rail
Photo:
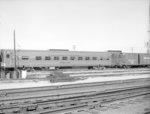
column 83, row 99
column 70, row 93
column 93, row 101
column 10, row 92
column 92, row 98
column 79, row 95
column 103, row 71
column 108, row 74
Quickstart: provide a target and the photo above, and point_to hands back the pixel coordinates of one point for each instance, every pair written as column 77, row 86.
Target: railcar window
column 0, row 58
column 56, row 58
column 101, row 58
column 64, row 58
column 47, row 58
column 72, row 58
column 87, row 58
column 7, row 56
column 25, row 57
column 94, row 58
column 80, row 58
column 38, row 58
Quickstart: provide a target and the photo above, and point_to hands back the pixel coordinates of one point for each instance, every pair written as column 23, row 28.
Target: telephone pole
column 148, row 43
column 15, row 61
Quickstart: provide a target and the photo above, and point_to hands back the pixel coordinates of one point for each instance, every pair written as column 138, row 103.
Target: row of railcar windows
column 64, row 58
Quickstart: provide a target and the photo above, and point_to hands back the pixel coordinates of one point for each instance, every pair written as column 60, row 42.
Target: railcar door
column 0, row 59
column 114, row 59
column 8, row 59
column 118, row 59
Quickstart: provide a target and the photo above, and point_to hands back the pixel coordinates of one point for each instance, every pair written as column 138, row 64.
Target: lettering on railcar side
column 146, row 57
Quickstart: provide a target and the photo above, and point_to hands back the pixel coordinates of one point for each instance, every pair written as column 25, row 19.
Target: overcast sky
column 90, row 25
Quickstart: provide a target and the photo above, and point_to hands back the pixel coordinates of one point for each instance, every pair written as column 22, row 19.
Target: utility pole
column 148, row 43
column 132, row 49
column 0, row 65
column 15, row 61
column 74, row 47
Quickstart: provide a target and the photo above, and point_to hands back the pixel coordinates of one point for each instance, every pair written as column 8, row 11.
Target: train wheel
column 116, row 66
column 124, row 66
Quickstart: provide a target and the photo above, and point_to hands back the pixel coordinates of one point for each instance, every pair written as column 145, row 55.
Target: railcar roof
column 66, row 50
column 52, row 50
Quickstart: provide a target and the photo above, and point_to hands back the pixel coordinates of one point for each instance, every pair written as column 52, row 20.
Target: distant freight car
column 144, row 59
column 125, row 59
column 130, row 59
column 67, row 59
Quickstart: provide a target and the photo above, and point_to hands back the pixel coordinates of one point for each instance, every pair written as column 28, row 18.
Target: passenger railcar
column 65, row 58
column 55, row 58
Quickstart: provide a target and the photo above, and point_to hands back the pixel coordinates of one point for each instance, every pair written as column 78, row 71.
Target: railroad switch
column 27, row 108
column 1, row 112
column 92, row 107
column 31, row 108
column 147, row 111
column 17, row 111
column 3, row 94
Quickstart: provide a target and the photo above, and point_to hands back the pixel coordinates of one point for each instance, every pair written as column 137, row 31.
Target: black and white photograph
column 74, row 56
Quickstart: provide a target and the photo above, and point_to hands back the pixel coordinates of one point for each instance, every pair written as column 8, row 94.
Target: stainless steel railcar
column 64, row 58
column 55, row 58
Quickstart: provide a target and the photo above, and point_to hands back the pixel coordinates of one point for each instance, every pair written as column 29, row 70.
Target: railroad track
column 72, row 90
column 55, row 99
column 32, row 90
column 109, row 74
column 147, row 111
column 104, row 71
column 74, row 103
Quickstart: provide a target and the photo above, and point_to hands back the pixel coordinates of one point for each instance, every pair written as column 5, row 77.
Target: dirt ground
column 139, row 105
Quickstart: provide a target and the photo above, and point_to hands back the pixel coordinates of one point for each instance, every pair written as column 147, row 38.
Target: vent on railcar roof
column 115, row 51
column 58, row 49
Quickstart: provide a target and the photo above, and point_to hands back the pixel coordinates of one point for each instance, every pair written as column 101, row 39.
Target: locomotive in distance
column 55, row 59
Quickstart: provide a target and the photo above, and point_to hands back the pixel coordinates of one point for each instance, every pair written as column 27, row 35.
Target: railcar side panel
column 100, row 59
column 144, row 59
column 7, row 58
column 37, row 58
column 124, row 59
column 117, row 59
column 131, row 59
